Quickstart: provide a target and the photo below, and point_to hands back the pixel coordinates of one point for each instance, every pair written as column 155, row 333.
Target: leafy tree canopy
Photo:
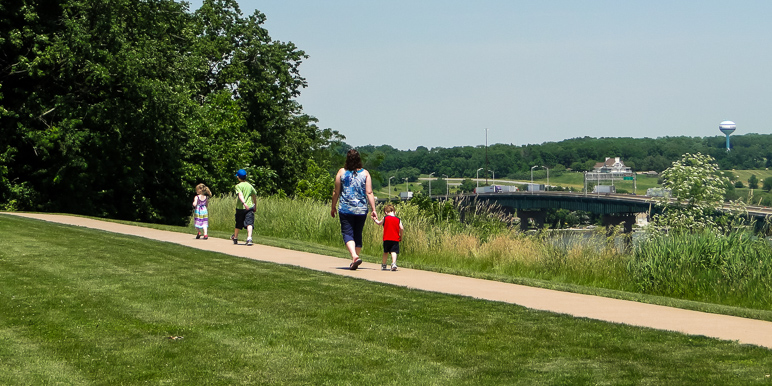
column 119, row 107
column 767, row 184
column 749, row 151
column 438, row 186
column 753, row 182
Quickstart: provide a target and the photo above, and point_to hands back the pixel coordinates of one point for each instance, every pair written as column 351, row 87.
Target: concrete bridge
column 615, row 209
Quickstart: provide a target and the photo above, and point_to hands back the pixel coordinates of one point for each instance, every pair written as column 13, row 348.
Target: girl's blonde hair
column 202, row 189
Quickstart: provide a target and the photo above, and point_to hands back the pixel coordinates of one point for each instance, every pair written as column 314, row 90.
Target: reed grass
column 733, row 269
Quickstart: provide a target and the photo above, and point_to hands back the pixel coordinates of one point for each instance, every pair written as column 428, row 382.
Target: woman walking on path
column 354, row 189
column 201, row 214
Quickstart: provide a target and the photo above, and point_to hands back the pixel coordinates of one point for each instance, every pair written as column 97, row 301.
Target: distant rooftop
column 612, row 165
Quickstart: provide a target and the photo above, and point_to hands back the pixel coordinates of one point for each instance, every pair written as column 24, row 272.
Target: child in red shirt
column 392, row 235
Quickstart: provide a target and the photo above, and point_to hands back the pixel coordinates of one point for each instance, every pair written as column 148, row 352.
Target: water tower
column 727, row 127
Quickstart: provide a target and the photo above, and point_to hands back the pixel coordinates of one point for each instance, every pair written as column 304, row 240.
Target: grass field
column 79, row 306
column 744, row 175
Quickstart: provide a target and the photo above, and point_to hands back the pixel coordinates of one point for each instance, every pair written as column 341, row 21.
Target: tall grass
column 486, row 246
column 733, row 269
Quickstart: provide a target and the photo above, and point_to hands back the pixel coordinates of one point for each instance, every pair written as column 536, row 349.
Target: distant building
column 613, row 169
column 612, row 165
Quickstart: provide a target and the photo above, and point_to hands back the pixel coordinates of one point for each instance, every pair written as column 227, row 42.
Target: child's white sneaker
column 393, row 267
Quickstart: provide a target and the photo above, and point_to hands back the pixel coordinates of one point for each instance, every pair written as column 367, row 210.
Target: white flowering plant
column 697, row 191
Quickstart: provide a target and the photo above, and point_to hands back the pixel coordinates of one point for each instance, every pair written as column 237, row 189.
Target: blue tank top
column 353, row 199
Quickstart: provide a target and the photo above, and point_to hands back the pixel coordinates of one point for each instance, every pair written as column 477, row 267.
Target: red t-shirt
column 391, row 228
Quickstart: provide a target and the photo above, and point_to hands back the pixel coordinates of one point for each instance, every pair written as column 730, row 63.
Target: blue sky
column 437, row 73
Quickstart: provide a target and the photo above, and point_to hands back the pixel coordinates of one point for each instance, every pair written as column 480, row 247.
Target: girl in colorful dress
column 201, row 214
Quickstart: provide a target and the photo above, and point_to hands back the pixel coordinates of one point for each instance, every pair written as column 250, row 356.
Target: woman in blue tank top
column 354, row 191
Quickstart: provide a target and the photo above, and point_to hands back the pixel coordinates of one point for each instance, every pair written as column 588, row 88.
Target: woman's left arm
column 370, row 195
column 336, row 193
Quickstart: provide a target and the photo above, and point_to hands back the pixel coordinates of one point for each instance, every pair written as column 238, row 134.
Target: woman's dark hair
column 353, row 161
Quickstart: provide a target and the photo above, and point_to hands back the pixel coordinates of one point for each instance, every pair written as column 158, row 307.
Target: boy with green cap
column 245, row 210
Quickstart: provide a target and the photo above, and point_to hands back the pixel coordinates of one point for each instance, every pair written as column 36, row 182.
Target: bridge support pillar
column 620, row 219
column 538, row 217
column 610, row 220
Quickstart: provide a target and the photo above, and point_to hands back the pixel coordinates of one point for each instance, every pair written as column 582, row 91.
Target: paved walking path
column 747, row 331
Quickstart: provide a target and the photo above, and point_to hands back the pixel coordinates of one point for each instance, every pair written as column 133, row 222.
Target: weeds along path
column 746, row 331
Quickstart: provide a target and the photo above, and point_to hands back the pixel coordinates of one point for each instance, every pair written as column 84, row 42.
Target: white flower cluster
column 697, row 191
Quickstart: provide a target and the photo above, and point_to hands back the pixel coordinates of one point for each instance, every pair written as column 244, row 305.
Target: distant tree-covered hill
column 749, row 151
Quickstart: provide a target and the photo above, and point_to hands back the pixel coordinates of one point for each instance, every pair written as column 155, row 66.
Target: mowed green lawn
column 745, row 175
column 79, row 306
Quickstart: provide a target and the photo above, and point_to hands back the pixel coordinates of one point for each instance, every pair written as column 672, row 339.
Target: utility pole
column 486, row 156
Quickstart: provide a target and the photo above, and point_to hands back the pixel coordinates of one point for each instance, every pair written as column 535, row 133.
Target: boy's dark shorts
column 244, row 218
column 351, row 226
column 390, row 246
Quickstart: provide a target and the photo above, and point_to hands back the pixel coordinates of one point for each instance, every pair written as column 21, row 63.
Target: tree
column 97, row 94
column 262, row 77
column 371, row 163
column 731, row 192
column 767, row 184
column 317, row 184
column 118, row 108
column 410, row 173
column 698, row 188
column 439, row 186
column 467, row 186
column 753, row 182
